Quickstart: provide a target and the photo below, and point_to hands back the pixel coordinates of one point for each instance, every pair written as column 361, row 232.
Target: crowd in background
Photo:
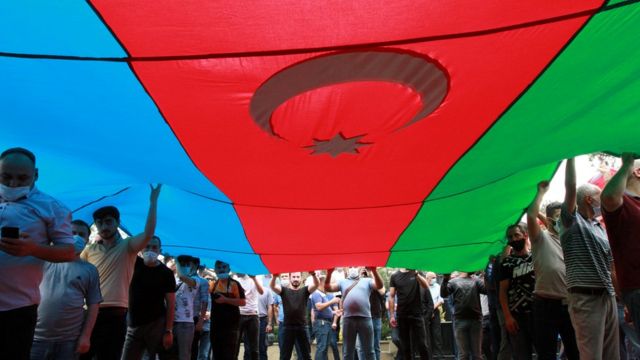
column 570, row 273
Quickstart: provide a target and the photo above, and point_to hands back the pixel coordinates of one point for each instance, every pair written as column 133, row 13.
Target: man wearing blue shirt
column 324, row 306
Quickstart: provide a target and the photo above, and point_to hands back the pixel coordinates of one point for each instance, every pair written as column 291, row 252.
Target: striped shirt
column 587, row 254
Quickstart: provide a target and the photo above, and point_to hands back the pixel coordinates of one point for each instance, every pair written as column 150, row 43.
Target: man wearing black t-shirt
column 295, row 300
column 151, row 305
column 427, row 312
column 405, row 285
column 377, row 302
column 227, row 295
column 517, row 282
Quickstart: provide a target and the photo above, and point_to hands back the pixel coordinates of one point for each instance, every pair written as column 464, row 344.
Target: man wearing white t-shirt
column 249, row 322
column 183, row 325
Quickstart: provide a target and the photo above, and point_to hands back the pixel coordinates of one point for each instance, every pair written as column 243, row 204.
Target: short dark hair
column 19, row 150
column 105, row 211
column 184, row 259
column 159, row 241
column 222, row 262
column 520, row 226
column 196, row 260
column 82, row 223
column 552, row 207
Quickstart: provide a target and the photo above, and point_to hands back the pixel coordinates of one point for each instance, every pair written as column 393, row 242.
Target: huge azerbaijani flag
column 295, row 135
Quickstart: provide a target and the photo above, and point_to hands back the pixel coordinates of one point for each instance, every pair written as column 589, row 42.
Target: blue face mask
column 224, row 275
column 184, row 270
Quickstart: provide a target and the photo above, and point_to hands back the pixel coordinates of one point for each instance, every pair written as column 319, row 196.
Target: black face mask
column 517, row 245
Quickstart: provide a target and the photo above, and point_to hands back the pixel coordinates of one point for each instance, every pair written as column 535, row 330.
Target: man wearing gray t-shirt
column 357, row 321
column 550, row 310
column 62, row 330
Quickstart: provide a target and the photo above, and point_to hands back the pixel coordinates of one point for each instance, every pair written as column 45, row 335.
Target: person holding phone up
column 35, row 228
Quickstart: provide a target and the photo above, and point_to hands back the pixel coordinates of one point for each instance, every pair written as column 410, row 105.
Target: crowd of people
column 570, row 272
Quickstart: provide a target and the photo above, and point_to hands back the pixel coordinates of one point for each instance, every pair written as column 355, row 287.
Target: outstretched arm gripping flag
column 296, row 135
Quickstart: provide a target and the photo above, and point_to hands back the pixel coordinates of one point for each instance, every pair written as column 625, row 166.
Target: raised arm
column 376, row 277
column 534, row 210
column 444, row 288
column 312, row 287
column 328, row 285
column 422, row 280
column 138, row 242
column 611, row 196
column 570, row 194
column 258, row 284
column 275, row 287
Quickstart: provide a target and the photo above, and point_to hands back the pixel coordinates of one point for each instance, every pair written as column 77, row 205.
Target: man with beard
column 279, row 315
column 152, row 297
column 227, row 296
column 356, row 309
column 115, row 257
column 406, row 284
column 295, row 299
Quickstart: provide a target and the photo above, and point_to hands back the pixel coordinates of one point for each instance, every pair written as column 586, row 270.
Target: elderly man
column 588, row 261
column 621, row 203
column 35, row 228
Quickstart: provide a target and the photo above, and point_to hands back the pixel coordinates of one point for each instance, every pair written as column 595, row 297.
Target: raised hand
column 155, row 192
column 543, row 186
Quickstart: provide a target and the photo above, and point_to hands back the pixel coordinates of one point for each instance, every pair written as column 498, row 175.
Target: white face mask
column 353, row 273
column 284, row 283
column 13, row 193
column 149, row 257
